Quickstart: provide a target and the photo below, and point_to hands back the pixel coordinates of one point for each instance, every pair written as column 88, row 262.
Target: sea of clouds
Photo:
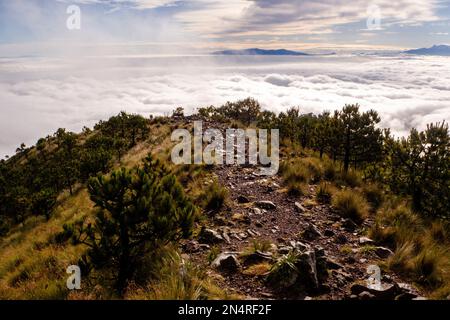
column 39, row 95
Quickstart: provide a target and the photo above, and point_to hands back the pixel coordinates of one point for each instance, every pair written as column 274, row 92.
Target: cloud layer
column 40, row 95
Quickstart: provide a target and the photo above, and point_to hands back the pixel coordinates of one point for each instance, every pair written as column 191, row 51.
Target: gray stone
column 257, row 257
column 257, row 211
column 226, row 237
column 299, row 208
column 365, row 240
column 333, row 265
column 210, row 236
column 226, row 262
column 383, row 252
column 388, row 292
column 306, row 266
column 311, row 233
column 366, row 296
column 284, row 250
column 349, row 225
column 242, row 199
column 341, row 239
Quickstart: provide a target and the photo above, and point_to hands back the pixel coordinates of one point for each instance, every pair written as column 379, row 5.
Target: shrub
column 329, row 171
column 257, row 245
column 324, row 193
column 284, row 273
column 214, row 197
column 213, row 254
column 351, row 205
column 138, row 211
column 374, row 195
column 314, row 168
column 296, row 173
column 297, row 189
column 351, row 179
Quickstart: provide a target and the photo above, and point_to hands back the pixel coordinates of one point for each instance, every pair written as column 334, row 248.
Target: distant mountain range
column 260, row 52
column 436, row 50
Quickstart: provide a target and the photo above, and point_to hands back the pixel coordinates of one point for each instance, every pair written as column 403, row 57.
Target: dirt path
column 241, row 223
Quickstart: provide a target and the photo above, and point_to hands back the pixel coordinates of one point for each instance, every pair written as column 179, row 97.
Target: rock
column 258, row 224
column 319, row 251
column 299, row 246
column 365, row 240
column 342, row 278
column 226, row 262
column 366, row 296
column 284, row 250
column 341, row 239
column 306, row 266
column 257, row 257
column 242, row 199
column 349, row 225
column 257, row 211
column 226, row 237
column 333, row 265
column 191, row 246
column 385, row 293
column 349, row 260
column 204, row 247
column 383, row 252
column 253, row 233
column 299, row 208
column 210, row 236
column 406, row 296
column 269, row 205
column 328, row 233
column 311, row 233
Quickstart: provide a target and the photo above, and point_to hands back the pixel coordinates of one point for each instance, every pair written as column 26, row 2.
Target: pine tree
column 358, row 139
column 419, row 166
column 139, row 210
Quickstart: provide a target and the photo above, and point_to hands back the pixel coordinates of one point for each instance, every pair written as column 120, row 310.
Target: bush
column 351, row 205
column 297, row 189
column 351, row 179
column 329, row 171
column 139, row 210
column 284, row 273
column 314, row 168
column 214, row 197
column 374, row 196
column 324, row 193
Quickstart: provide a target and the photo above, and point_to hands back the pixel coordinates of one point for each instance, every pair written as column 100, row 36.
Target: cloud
column 41, row 95
column 294, row 17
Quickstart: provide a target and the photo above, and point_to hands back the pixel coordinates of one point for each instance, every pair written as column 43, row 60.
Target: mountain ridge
column 260, row 52
column 436, row 50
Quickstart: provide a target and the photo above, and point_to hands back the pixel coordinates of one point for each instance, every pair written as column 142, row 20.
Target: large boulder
column 306, row 266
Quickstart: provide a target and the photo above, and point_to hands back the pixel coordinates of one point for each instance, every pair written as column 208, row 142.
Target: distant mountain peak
column 436, row 50
column 260, row 52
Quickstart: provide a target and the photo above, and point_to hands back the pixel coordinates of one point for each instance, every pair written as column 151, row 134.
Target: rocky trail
column 334, row 253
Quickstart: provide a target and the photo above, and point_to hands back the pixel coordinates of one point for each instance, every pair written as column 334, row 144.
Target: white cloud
column 38, row 96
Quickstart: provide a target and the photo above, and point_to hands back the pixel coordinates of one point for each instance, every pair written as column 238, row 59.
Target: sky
column 151, row 56
column 189, row 25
